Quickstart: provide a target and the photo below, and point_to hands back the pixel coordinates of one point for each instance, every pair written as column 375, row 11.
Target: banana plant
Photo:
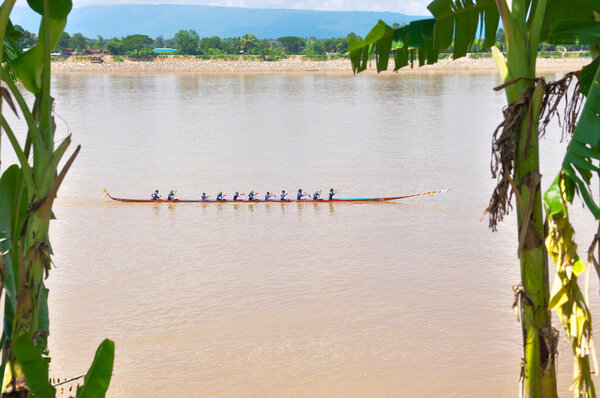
column 27, row 192
column 531, row 101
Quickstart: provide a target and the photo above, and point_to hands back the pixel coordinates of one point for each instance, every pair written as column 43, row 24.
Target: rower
column 268, row 196
column 204, row 197
column 317, row 195
column 283, row 195
column 301, row 195
column 220, row 196
column 171, row 195
column 236, row 195
column 252, row 195
column 155, row 195
column 331, row 193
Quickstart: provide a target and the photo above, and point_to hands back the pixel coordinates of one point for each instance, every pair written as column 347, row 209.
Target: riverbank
column 291, row 65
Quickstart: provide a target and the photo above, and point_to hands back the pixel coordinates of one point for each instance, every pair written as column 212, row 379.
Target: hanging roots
column 508, row 134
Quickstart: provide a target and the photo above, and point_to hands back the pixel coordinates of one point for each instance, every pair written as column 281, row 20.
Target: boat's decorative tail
column 429, row 193
column 105, row 193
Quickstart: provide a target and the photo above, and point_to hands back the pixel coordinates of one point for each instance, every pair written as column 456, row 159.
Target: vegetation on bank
column 141, row 47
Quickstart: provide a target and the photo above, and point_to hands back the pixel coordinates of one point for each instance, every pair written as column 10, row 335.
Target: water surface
column 401, row 299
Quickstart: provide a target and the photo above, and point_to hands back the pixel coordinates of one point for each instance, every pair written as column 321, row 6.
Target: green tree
column 214, row 43
column 79, row 42
column 342, row 46
column 63, row 42
column 159, row 42
column 331, row 45
column 248, row 42
column 101, row 42
column 136, row 43
column 170, row 43
column 500, row 40
column 516, row 155
column 27, row 40
column 233, row 45
column 354, row 36
column 292, row 44
column 115, row 47
column 187, row 41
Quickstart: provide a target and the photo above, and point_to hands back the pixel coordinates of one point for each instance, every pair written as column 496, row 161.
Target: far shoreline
column 295, row 65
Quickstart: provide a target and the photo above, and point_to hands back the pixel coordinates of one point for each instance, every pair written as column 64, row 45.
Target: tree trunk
column 538, row 336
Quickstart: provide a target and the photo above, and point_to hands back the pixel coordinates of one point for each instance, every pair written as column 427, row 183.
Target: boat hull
column 382, row 199
column 371, row 199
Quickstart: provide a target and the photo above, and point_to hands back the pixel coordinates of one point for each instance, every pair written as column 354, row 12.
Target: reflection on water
column 286, row 299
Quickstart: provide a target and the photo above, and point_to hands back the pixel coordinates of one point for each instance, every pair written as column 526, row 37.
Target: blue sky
column 409, row 7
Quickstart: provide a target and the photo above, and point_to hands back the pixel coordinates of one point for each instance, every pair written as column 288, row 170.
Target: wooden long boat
column 371, row 199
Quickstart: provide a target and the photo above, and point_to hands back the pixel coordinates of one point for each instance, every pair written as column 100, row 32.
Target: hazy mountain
column 155, row 20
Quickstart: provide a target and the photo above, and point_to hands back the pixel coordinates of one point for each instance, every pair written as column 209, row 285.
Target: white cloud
column 409, row 7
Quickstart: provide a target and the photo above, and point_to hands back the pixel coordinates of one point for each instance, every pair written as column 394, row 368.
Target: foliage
column 159, row 42
column 187, row 41
column 63, row 42
column 136, row 43
column 115, row 47
column 272, row 54
column 212, row 45
column 515, row 164
column 27, row 193
column 292, row 44
column 78, row 42
column 248, row 42
column 27, row 40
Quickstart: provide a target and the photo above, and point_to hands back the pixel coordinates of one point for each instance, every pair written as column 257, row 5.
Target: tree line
column 189, row 42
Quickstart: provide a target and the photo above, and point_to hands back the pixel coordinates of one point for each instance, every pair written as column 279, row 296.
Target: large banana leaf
column 575, row 32
column 97, row 379
column 583, row 150
column 34, row 367
column 457, row 21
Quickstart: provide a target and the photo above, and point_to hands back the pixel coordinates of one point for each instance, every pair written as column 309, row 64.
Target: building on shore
column 164, row 50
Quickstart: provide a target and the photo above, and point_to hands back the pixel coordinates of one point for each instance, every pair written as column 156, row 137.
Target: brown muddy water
column 404, row 299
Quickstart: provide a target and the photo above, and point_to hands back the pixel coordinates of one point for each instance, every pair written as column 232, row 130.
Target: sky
column 408, row 7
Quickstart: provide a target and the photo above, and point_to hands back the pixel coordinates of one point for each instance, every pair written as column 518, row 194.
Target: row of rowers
column 252, row 195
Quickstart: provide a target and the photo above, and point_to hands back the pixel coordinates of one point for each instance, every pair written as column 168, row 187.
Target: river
column 404, row 299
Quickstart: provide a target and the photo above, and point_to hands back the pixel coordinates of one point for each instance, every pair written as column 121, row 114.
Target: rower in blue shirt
column 331, row 193
column 252, row 195
column 220, row 196
column 204, row 197
column 155, row 195
column 301, row 195
column 283, row 195
column 171, row 195
column 317, row 195
column 236, row 195
column 268, row 196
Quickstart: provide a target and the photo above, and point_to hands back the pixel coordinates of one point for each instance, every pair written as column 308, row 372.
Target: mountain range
column 166, row 19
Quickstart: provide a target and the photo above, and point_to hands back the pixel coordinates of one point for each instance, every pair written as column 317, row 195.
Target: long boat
column 371, row 199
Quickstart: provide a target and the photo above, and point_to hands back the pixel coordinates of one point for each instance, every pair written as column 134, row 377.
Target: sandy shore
column 295, row 65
